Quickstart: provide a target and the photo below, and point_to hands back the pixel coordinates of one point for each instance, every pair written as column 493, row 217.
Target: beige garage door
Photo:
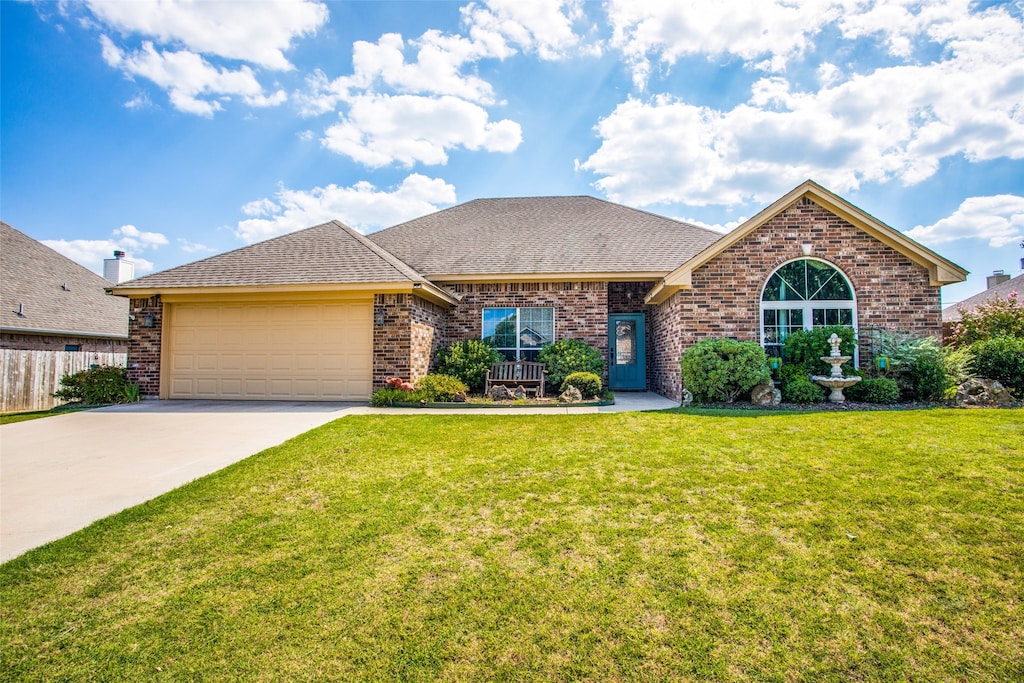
column 301, row 351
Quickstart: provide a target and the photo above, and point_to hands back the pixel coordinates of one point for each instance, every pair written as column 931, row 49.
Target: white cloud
column 894, row 123
column 194, row 247
column 541, row 26
column 771, row 31
column 361, row 206
column 127, row 238
column 406, row 129
column 187, row 76
column 998, row 219
column 256, row 32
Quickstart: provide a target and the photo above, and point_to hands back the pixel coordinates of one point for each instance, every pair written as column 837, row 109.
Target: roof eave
column 589, row 276
column 64, row 333
column 424, row 289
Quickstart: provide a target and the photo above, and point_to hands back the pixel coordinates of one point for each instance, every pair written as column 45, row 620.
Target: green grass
column 883, row 546
column 10, row 418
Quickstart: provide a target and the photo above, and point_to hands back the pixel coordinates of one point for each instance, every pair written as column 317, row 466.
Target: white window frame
column 519, row 349
column 808, row 306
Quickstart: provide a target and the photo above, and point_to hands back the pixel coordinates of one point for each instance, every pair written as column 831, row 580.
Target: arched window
column 802, row 295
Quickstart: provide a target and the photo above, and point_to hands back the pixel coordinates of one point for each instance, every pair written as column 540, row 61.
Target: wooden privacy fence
column 29, row 378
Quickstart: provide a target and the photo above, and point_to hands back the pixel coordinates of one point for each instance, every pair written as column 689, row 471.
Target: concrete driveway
column 60, row 474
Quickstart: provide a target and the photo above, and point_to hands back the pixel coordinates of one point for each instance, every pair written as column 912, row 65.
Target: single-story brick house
column 327, row 313
column 50, row 303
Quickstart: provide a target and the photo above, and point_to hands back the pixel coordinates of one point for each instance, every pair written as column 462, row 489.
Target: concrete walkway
column 59, row 474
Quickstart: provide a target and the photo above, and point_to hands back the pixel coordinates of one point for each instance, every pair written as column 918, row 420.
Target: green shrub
column 101, row 385
column 803, row 391
column 958, row 364
column 878, row 390
column 440, row 387
column 588, row 383
column 904, row 350
column 998, row 317
column 927, row 378
column 1002, row 359
column 722, row 369
column 803, row 347
column 468, row 361
column 567, row 356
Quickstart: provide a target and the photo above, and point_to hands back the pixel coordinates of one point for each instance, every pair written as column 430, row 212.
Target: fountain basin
column 835, row 385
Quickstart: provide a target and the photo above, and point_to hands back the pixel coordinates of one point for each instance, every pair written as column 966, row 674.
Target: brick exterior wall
column 891, row 290
column 581, row 308
column 144, row 344
column 405, row 344
column 52, row 342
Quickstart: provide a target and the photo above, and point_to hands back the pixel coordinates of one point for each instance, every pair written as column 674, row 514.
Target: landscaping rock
column 687, row 397
column 978, row 391
column 570, row 395
column 500, row 393
column 459, row 397
column 765, row 395
column 519, row 392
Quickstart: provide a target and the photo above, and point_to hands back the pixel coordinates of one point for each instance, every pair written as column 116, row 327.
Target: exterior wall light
column 149, row 320
column 378, row 318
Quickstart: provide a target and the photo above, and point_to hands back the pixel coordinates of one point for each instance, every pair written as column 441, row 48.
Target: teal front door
column 627, row 361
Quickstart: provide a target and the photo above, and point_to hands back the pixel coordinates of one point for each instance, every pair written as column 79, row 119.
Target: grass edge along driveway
column 853, row 546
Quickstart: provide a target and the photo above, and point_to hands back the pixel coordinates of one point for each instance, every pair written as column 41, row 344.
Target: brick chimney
column 118, row 269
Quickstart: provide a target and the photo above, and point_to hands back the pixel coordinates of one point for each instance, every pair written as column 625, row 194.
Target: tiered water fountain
column 835, row 381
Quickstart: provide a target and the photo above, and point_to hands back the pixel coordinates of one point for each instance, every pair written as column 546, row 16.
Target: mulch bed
column 847, row 406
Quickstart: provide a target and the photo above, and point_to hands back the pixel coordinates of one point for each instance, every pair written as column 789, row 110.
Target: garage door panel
column 306, row 351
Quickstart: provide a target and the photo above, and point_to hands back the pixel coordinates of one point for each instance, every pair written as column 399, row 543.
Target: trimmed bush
column 588, row 383
column 101, row 385
column 389, row 396
column 879, row 390
column 440, row 387
column 1002, row 359
column 567, row 356
column 468, row 361
column 927, row 378
column 803, row 391
column 722, row 369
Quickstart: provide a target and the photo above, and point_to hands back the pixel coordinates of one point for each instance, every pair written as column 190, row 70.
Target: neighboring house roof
column 951, row 314
column 55, row 294
column 317, row 257
column 531, row 236
column 941, row 270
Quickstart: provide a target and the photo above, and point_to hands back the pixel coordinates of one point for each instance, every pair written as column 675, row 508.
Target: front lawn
column 765, row 546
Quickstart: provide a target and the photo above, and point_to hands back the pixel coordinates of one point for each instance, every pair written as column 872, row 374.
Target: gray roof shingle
column 1002, row 290
column 331, row 253
column 520, row 236
column 33, row 277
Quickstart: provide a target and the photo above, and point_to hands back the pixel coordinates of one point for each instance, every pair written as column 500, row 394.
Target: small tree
column 722, row 369
column 998, row 317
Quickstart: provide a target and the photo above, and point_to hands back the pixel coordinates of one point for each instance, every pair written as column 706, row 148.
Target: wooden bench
column 521, row 373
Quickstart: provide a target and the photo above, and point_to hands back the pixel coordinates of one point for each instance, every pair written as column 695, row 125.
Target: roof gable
column 515, row 238
column 941, row 270
column 55, row 294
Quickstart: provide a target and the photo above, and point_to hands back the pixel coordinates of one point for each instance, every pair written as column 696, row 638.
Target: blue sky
column 178, row 130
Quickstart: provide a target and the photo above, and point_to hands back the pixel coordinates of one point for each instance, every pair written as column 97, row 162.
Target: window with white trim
column 802, row 295
column 519, row 333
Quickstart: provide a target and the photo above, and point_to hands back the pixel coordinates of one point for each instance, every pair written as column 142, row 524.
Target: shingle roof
column 951, row 314
column 331, row 253
column 55, row 293
column 543, row 235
